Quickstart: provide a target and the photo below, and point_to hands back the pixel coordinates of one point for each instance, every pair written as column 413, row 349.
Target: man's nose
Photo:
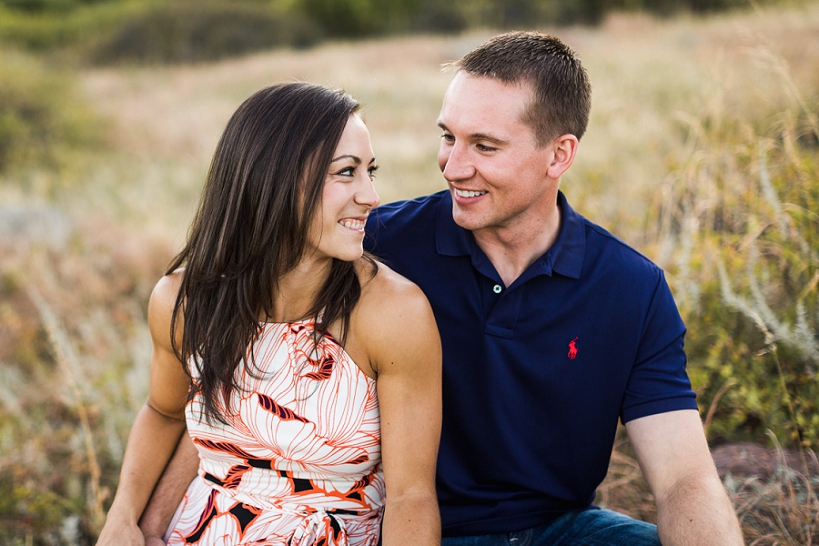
column 457, row 165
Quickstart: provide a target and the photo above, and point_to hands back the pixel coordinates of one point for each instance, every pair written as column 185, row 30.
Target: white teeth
column 352, row 224
column 465, row 193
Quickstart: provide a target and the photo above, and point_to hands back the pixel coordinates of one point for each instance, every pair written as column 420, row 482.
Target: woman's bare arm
column 157, row 427
column 404, row 350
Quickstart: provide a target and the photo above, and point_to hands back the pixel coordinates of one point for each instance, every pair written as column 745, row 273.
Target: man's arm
column 169, row 492
column 692, row 506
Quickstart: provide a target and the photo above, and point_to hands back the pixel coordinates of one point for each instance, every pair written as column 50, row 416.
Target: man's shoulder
column 585, row 250
column 609, row 256
column 399, row 212
column 610, row 262
column 410, row 222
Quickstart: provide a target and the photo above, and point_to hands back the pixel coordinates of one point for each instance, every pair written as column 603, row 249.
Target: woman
column 308, row 373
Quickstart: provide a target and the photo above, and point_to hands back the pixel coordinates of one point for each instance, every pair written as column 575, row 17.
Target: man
column 552, row 329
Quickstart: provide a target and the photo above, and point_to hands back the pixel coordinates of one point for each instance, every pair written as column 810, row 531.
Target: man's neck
column 512, row 249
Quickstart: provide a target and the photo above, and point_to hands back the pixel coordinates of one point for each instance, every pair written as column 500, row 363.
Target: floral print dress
column 299, row 463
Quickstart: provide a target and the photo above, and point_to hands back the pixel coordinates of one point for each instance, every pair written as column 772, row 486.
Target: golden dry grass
column 649, row 78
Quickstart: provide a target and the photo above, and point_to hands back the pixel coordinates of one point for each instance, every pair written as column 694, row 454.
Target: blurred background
column 702, row 152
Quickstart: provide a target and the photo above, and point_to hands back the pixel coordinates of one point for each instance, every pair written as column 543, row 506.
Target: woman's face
column 337, row 229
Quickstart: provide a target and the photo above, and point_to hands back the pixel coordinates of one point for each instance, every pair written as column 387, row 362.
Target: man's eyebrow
column 477, row 136
column 483, row 136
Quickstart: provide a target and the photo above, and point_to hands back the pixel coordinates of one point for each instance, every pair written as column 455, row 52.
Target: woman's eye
column 347, row 171
column 372, row 170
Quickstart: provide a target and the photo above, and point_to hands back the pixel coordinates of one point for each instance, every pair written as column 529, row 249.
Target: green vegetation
column 42, row 120
column 154, row 31
column 738, row 210
column 192, row 30
column 746, row 205
column 113, row 31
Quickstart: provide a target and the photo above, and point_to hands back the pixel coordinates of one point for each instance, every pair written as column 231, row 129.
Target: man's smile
column 468, row 193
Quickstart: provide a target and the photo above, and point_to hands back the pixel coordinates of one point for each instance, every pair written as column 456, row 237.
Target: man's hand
column 692, row 506
column 169, row 492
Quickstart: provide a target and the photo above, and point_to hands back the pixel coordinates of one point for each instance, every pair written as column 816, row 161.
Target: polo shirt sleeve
column 658, row 382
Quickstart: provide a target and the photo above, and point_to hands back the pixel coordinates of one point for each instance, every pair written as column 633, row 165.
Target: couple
column 313, row 391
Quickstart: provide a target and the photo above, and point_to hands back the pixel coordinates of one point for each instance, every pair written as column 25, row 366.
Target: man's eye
column 485, row 148
column 448, row 137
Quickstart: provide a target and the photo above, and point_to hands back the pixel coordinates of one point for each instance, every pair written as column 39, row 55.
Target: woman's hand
column 122, row 533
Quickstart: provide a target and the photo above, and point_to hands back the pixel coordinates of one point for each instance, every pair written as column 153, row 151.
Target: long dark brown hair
column 263, row 188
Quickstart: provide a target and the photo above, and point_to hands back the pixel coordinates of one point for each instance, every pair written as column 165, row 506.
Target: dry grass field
column 81, row 246
column 650, row 80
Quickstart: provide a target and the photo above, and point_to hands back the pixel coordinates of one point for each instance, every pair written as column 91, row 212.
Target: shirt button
column 497, row 289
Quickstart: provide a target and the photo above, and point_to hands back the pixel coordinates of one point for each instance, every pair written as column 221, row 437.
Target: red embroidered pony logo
column 572, row 349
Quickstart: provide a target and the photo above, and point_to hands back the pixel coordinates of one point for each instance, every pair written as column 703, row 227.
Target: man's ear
column 564, row 148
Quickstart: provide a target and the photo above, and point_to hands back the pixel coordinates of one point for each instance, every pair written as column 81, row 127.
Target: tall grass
column 74, row 367
column 740, row 208
column 700, row 153
column 735, row 223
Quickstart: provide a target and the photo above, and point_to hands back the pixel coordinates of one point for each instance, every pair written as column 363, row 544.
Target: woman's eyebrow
column 347, row 156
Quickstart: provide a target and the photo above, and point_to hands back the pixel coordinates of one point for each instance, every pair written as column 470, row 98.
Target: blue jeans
column 585, row 528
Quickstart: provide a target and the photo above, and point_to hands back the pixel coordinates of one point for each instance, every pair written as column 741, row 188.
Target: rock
column 752, row 460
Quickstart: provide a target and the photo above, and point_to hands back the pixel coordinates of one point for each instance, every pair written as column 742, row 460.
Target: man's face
column 497, row 173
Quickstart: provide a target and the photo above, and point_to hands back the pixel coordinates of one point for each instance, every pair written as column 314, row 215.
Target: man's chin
column 467, row 220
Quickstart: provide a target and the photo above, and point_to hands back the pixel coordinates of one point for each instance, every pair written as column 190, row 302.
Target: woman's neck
column 298, row 290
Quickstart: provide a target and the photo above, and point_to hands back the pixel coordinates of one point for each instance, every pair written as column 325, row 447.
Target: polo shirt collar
column 565, row 257
column 567, row 253
column 450, row 238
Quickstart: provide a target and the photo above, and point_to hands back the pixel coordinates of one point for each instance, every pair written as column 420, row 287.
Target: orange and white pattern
column 299, row 462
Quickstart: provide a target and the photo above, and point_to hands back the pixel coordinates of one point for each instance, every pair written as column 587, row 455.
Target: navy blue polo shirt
column 537, row 374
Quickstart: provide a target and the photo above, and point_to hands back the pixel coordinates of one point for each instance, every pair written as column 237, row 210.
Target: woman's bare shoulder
column 383, row 287
column 390, row 303
column 167, row 288
column 397, row 323
column 162, row 304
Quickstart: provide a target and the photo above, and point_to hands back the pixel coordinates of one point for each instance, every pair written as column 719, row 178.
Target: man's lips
column 468, row 194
